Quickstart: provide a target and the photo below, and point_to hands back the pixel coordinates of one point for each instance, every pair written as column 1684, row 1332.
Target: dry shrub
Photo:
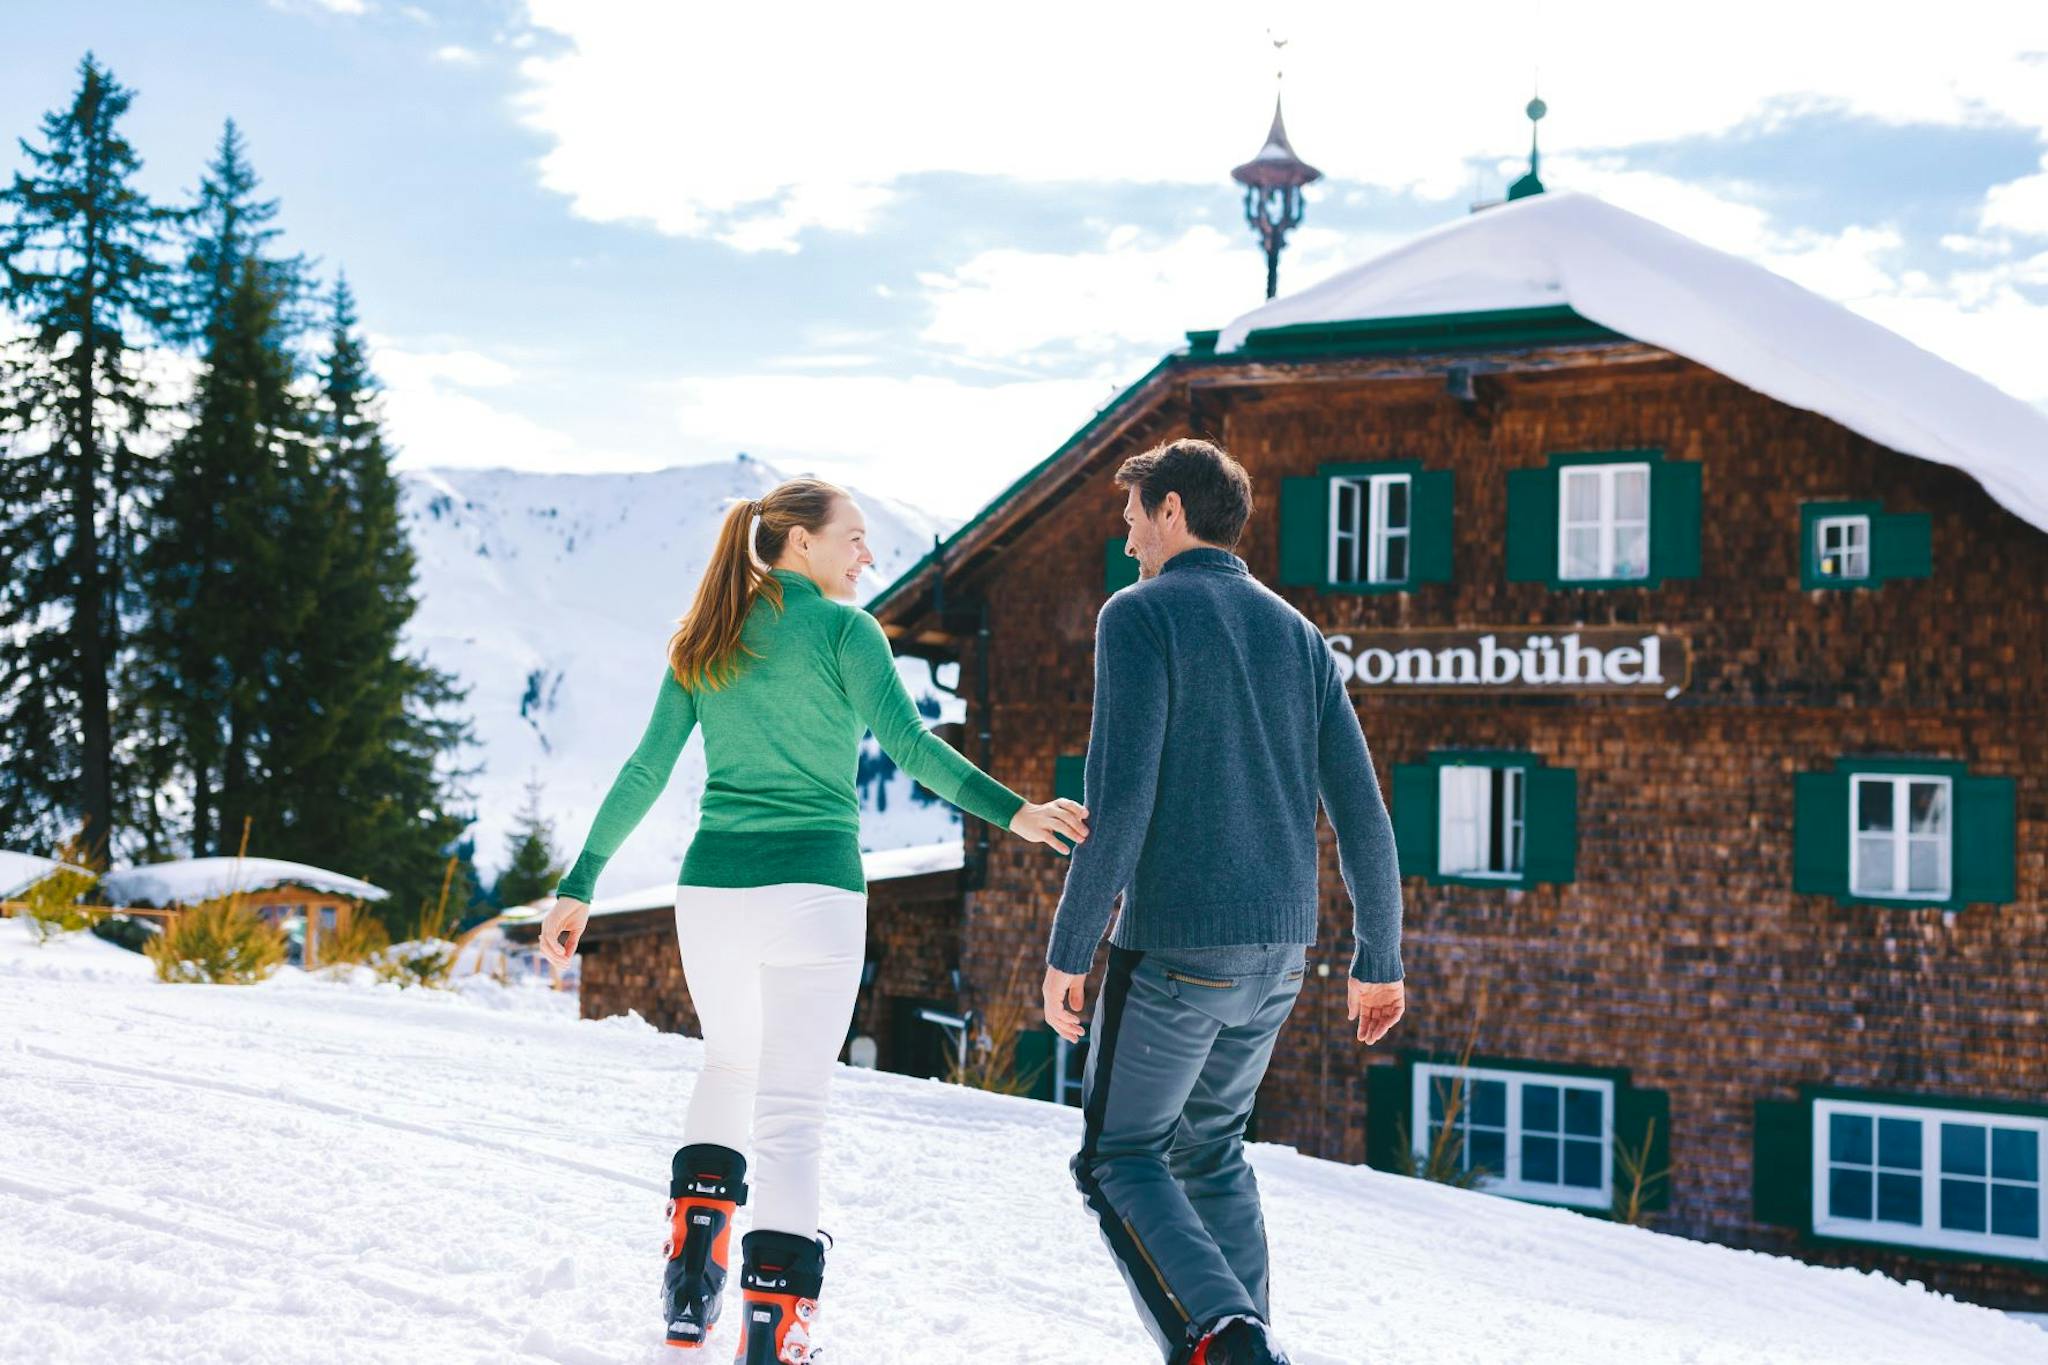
column 52, row 906
column 1638, row 1183
column 1444, row 1161
column 358, row 937
column 991, row 1062
column 221, row 941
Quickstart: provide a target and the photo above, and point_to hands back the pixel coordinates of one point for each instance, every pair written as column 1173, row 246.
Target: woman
column 785, row 674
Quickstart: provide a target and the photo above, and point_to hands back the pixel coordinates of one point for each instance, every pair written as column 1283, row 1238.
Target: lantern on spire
column 1272, row 183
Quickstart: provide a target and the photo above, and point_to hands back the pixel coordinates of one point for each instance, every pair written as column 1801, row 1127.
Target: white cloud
column 435, row 416
column 457, row 55
column 2020, row 205
column 929, row 440
column 761, row 121
column 1134, row 290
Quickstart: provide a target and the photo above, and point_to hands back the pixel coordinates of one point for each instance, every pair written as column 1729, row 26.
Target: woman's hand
column 1043, row 824
column 560, row 929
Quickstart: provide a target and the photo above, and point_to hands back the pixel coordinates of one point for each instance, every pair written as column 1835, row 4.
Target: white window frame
column 1858, row 522
column 1902, row 836
column 1516, row 838
column 1929, row 1233
column 1365, row 543
column 1606, row 522
column 1510, row 1182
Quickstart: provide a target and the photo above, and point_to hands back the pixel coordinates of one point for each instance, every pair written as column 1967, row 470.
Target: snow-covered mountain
column 552, row 597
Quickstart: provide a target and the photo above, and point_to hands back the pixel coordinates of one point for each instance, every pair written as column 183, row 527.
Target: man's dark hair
column 1214, row 490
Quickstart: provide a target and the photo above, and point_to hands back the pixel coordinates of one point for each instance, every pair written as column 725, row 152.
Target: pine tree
column 83, row 279
column 385, row 792
column 227, row 226
column 230, row 577
column 531, row 865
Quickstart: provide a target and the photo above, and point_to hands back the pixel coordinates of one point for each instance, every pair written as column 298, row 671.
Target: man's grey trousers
column 1180, row 1041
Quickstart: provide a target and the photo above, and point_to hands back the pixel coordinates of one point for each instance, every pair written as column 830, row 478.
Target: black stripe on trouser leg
column 1136, row 1263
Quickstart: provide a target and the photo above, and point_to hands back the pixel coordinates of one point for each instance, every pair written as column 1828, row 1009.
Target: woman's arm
column 639, row 782
column 867, row 667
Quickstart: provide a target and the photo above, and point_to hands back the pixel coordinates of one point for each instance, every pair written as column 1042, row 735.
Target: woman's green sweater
column 782, row 745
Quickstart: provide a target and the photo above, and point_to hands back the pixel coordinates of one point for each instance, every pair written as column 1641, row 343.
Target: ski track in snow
column 304, row 1171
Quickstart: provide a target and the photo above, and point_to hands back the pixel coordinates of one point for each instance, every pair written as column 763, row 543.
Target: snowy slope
column 299, row 1172
column 552, row 596
column 1734, row 317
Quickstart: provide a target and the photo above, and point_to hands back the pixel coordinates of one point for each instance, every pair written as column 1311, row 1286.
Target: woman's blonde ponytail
column 703, row 652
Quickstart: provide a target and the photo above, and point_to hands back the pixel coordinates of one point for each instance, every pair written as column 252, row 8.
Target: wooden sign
column 1637, row 659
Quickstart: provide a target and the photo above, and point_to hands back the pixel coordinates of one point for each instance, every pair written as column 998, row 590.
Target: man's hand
column 1377, row 1006
column 1064, row 994
column 560, row 929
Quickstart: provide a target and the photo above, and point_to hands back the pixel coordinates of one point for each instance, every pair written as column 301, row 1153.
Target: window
column 1604, row 521
column 1536, row 1135
column 1491, row 818
column 1901, row 836
column 1905, row 830
column 1933, row 1177
column 1369, row 529
column 1842, row 547
column 1859, row 545
column 1382, row 526
column 1481, row 828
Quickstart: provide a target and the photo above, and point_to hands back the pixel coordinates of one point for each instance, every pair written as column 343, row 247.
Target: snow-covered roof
column 884, row 865
column 1758, row 328
column 188, row 881
column 20, row 871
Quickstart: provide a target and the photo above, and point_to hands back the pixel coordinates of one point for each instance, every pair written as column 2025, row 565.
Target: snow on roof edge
column 187, row 881
column 1735, row 317
column 880, row 866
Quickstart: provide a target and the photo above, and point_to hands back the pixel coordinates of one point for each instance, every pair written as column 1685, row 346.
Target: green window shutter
column 1674, row 519
column 1304, row 532
column 1032, row 1061
column 1634, row 1113
column 1387, row 1120
column 1119, row 570
column 1901, row 546
column 1550, row 824
column 1415, row 793
column 1532, row 525
column 1429, row 535
column 1985, row 825
column 1781, row 1164
column 1067, row 771
column 1820, row 833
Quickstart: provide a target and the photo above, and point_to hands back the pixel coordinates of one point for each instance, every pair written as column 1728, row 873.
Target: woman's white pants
column 773, row 972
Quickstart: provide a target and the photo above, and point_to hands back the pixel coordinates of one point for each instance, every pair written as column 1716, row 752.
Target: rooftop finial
column 1273, row 181
column 1530, row 183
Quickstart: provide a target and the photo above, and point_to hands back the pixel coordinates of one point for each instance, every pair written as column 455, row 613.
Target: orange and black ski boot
column 781, row 1275
column 705, row 1187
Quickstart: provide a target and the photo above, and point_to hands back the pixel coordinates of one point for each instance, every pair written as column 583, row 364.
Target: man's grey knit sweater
column 1220, row 716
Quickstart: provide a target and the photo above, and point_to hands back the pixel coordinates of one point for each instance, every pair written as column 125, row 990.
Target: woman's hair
column 702, row 651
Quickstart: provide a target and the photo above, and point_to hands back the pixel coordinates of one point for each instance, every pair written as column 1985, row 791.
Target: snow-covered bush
column 416, row 962
column 221, row 941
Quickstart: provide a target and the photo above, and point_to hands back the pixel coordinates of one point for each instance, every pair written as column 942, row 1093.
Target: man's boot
column 1234, row 1341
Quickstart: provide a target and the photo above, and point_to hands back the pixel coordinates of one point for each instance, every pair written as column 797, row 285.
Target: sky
column 914, row 246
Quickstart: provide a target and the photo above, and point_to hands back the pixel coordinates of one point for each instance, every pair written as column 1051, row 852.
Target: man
column 1219, row 717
